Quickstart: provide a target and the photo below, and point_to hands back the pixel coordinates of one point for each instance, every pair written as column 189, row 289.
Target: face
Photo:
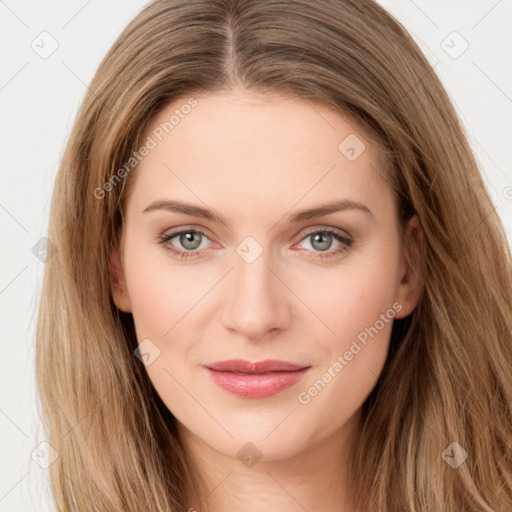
column 260, row 228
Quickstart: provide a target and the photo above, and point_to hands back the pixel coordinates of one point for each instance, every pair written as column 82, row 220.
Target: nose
column 258, row 301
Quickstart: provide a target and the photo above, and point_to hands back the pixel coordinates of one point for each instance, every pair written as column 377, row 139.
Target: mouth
column 255, row 380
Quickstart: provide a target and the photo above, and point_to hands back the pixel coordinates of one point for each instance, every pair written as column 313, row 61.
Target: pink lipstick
column 255, row 380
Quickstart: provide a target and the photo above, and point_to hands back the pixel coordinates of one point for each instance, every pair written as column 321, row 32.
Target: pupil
column 187, row 240
column 325, row 244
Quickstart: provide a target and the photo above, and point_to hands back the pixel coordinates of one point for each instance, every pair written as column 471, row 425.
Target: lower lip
column 257, row 385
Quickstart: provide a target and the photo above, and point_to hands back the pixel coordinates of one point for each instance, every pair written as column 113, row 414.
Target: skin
column 256, row 160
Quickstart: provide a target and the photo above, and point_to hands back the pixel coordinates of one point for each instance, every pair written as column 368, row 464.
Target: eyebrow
column 300, row 216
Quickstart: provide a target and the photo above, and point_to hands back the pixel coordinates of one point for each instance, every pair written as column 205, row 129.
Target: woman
column 280, row 279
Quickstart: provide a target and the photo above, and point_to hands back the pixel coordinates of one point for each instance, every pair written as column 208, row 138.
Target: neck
column 312, row 478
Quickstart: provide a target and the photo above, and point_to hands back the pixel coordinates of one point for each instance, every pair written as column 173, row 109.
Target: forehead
column 259, row 150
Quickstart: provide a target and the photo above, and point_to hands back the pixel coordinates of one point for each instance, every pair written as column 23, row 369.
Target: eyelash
column 346, row 241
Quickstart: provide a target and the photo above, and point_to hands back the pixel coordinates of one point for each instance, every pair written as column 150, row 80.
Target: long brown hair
column 448, row 376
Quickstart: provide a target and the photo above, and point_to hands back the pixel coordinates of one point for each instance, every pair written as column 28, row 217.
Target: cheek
column 356, row 303
column 153, row 303
column 161, row 293
column 360, row 316
column 353, row 297
column 162, row 298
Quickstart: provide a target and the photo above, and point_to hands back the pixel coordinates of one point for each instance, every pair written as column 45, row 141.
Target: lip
column 258, row 379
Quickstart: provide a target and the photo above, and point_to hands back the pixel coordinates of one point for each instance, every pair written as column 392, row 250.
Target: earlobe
column 118, row 286
column 411, row 283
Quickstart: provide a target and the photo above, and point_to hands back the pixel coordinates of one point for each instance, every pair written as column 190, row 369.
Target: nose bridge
column 257, row 300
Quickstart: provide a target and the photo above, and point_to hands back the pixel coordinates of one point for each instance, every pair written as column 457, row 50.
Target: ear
column 118, row 286
column 411, row 283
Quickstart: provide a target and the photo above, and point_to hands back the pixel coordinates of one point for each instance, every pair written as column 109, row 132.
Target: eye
column 321, row 240
column 191, row 242
column 189, row 239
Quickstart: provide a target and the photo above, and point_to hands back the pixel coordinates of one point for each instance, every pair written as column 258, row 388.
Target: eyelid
column 322, row 228
column 196, row 229
column 312, row 229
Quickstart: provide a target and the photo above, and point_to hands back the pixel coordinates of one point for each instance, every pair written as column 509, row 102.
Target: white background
column 38, row 101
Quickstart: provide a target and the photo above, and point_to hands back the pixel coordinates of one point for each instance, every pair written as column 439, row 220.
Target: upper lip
column 242, row 366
